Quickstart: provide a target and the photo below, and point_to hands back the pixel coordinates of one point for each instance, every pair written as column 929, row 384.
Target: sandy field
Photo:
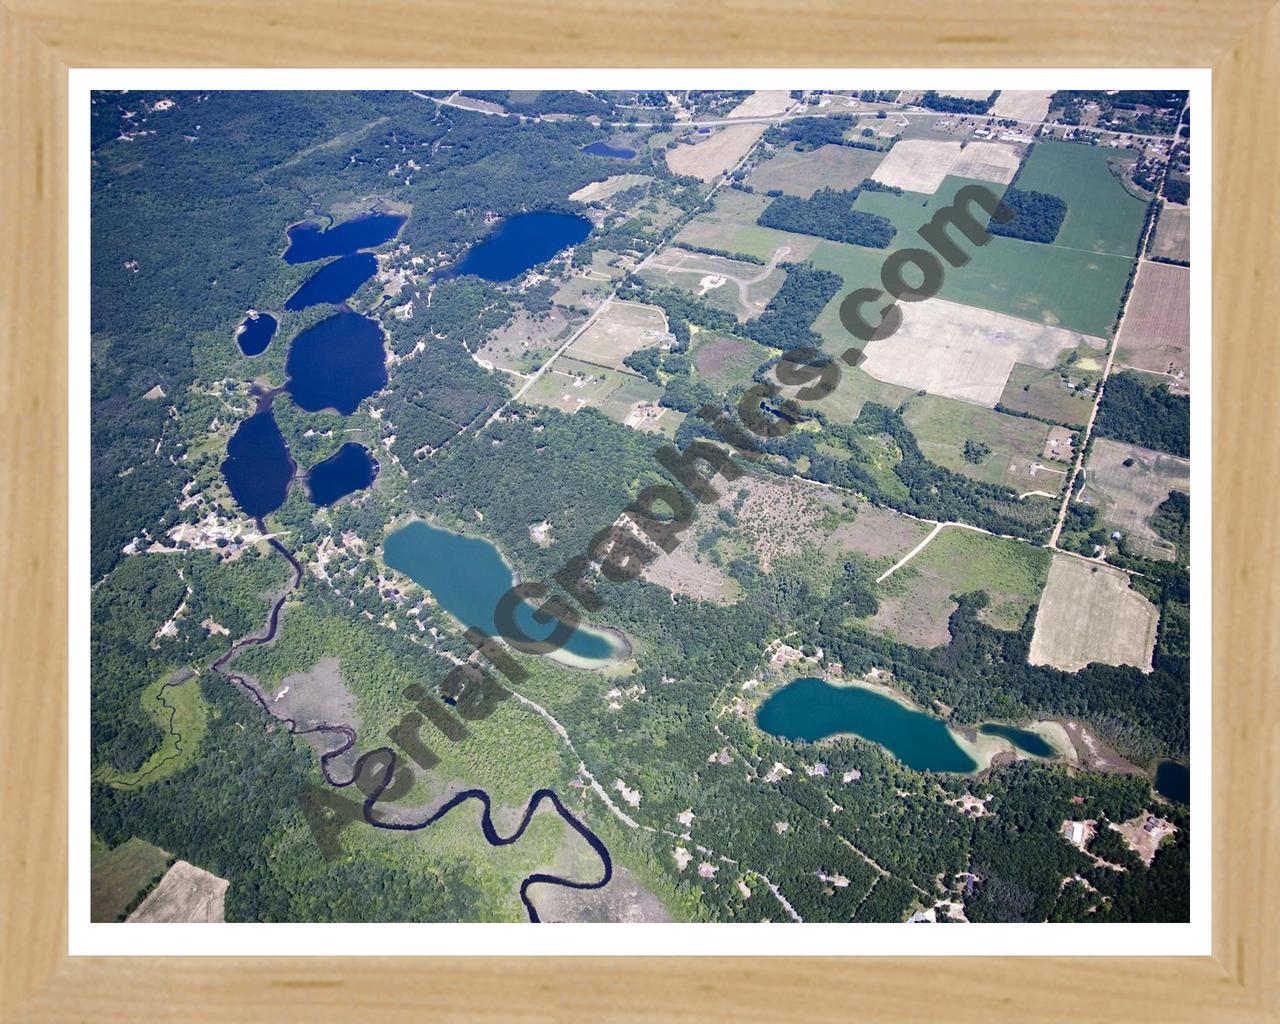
column 1021, row 104
column 1088, row 613
column 610, row 186
column 623, row 328
column 964, row 352
column 186, row 894
column 714, row 154
column 1155, row 334
column 762, row 103
column 920, row 165
column 1128, row 495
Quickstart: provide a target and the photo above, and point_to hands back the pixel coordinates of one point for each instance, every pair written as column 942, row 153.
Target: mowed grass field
column 116, row 876
column 1043, row 393
column 731, row 225
column 916, row 602
column 942, row 426
column 1102, row 215
column 802, row 174
column 621, row 329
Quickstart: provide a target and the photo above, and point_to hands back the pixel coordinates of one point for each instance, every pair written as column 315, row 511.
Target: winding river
column 382, row 762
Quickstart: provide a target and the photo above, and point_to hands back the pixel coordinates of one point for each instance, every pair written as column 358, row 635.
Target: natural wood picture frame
column 41, row 39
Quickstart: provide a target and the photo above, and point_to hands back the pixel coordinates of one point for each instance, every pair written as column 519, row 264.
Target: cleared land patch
column 921, row 165
column 1128, row 495
column 712, row 155
column 1021, row 104
column 730, row 225
column 619, row 330
column 1016, row 459
column 570, row 385
column 916, row 602
column 963, row 352
column 1088, row 613
column 185, row 894
column 525, row 343
column 1173, row 233
column 803, row 173
column 1156, row 332
column 598, row 190
column 726, row 362
column 743, row 289
column 762, row 103
column 118, row 875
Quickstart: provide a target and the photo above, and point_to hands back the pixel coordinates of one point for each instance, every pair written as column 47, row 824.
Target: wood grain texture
column 39, row 39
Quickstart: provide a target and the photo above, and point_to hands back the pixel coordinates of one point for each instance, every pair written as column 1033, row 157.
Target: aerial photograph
column 640, row 506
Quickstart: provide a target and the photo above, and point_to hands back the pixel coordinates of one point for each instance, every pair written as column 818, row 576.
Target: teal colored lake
column 1025, row 739
column 468, row 576
column 811, row 709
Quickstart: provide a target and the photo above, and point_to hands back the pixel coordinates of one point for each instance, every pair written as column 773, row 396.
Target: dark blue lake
column 1173, row 782
column 468, row 576
column 311, row 242
column 351, row 469
column 1031, row 742
column 335, row 282
column 255, row 333
column 519, row 243
column 258, row 467
column 604, row 149
column 337, row 363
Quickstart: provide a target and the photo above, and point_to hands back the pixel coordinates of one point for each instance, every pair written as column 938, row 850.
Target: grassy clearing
column 802, row 174
column 942, row 425
column 1128, row 494
column 117, row 876
column 180, row 713
column 724, row 362
column 918, row 600
column 731, row 225
column 1043, row 393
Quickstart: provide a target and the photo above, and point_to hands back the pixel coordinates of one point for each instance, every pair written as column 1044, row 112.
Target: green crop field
column 1102, row 215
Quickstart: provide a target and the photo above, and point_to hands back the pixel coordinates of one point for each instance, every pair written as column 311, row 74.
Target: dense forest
column 828, row 213
column 1037, row 216
column 1146, row 413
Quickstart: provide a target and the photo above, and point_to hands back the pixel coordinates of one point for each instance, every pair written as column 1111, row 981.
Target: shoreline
column 615, row 637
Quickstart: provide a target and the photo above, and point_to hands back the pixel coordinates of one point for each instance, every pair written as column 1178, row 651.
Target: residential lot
column 743, row 289
column 622, row 328
column 1088, row 613
column 1129, row 494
